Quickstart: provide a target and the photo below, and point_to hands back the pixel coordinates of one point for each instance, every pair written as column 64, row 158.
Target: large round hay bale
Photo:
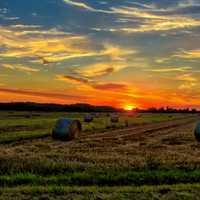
column 197, row 132
column 88, row 118
column 114, row 119
column 66, row 129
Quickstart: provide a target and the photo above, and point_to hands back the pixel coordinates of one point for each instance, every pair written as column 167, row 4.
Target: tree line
column 30, row 106
column 80, row 107
column 170, row 110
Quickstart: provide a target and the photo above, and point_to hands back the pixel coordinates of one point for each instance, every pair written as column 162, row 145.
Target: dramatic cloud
column 150, row 19
column 40, row 94
column 191, row 54
column 73, row 79
column 20, row 67
column 188, row 3
column 188, row 81
column 102, row 52
column 84, row 6
column 171, row 69
column 154, row 22
column 93, row 84
column 53, row 47
column 100, row 69
column 111, row 86
column 79, row 4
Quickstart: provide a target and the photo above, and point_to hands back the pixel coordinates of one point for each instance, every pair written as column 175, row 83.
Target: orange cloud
column 100, row 69
column 93, row 84
column 17, row 42
column 171, row 69
column 188, row 81
column 40, row 94
column 73, row 79
column 190, row 54
column 55, row 47
column 110, row 86
column 20, row 67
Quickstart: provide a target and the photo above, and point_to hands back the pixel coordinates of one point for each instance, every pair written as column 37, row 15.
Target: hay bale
column 97, row 115
column 66, row 129
column 107, row 114
column 114, row 119
column 88, row 118
column 126, row 123
column 197, row 132
column 28, row 116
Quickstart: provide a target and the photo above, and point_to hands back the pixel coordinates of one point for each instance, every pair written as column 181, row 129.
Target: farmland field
column 155, row 156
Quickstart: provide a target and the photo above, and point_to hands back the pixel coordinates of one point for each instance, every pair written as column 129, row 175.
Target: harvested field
column 155, row 152
column 125, row 144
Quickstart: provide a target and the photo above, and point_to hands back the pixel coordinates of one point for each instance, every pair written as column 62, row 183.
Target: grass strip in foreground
column 180, row 191
column 103, row 178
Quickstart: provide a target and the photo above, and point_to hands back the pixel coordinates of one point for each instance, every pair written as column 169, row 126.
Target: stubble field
column 155, row 157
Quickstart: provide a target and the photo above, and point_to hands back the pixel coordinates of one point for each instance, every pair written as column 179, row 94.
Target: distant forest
column 30, row 106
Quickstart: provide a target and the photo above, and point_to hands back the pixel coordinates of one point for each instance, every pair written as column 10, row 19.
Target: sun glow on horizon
column 129, row 107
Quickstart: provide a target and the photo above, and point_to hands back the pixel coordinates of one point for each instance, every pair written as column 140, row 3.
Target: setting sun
column 129, row 107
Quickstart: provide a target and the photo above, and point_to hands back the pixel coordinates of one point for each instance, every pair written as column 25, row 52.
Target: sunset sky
column 122, row 53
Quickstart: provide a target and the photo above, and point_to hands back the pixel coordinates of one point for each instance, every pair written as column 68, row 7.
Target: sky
column 122, row 53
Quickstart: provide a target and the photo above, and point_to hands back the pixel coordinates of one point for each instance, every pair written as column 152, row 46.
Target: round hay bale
column 114, row 119
column 126, row 123
column 197, row 132
column 66, row 129
column 107, row 114
column 97, row 115
column 88, row 118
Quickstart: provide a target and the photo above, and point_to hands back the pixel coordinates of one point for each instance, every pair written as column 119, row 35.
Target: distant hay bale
column 97, row 115
column 126, row 123
column 107, row 114
column 114, row 119
column 66, row 129
column 197, row 132
column 88, row 118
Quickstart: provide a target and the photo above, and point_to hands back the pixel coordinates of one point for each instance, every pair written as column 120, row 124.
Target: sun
column 129, row 107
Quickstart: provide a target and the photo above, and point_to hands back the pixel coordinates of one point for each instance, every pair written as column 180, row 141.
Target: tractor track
column 121, row 136
column 131, row 140
column 127, row 134
column 169, row 142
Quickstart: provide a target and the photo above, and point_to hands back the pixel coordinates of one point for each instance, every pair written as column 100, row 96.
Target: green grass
column 103, row 177
column 54, row 177
column 165, row 192
column 18, row 171
column 15, row 126
column 22, row 135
